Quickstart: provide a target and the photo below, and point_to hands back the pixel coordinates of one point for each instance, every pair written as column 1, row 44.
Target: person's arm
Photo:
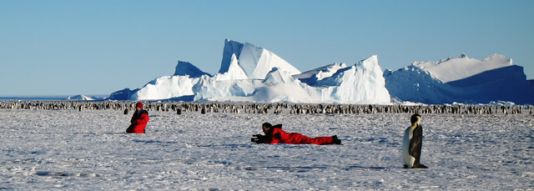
column 258, row 138
column 276, row 139
column 132, row 120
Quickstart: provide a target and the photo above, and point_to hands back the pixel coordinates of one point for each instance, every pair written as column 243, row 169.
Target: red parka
column 139, row 120
column 276, row 135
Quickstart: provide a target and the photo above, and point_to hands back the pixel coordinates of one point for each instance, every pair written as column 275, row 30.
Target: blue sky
column 96, row 47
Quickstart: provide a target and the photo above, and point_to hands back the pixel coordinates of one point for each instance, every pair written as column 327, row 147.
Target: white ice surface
column 166, row 87
column 322, row 72
column 87, row 150
column 81, row 97
column 463, row 67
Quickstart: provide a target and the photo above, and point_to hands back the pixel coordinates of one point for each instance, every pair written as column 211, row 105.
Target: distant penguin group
column 267, row 108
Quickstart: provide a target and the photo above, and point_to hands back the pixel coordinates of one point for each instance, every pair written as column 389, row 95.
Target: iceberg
column 255, row 61
column 187, row 69
column 462, row 80
column 82, row 98
column 254, row 74
column 461, row 67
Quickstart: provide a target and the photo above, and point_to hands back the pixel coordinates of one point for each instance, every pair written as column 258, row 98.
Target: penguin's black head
column 415, row 118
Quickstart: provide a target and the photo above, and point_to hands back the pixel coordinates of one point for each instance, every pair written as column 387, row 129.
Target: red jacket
column 139, row 121
column 277, row 135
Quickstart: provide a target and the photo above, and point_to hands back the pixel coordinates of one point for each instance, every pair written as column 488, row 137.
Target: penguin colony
column 269, row 108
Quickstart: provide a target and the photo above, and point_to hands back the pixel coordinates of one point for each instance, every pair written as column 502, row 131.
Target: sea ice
column 73, row 150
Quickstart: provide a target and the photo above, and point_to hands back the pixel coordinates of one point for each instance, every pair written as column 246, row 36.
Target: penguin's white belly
column 408, row 159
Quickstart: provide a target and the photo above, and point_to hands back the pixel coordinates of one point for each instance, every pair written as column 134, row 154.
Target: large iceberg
column 249, row 73
column 254, row 74
column 461, row 79
column 362, row 83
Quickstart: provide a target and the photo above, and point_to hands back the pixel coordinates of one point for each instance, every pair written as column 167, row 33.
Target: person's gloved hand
column 258, row 138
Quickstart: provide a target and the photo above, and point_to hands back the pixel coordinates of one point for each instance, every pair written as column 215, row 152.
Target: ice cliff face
column 255, row 61
column 188, row 69
column 361, row 83
column 166, row 87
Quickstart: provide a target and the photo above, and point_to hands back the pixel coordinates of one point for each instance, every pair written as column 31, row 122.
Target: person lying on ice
column 275, row 135
column 139, row 119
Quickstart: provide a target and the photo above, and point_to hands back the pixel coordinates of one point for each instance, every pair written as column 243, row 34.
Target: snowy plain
column 87, row 150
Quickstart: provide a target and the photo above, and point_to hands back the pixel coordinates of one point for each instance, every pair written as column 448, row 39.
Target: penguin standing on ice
column 412, row 143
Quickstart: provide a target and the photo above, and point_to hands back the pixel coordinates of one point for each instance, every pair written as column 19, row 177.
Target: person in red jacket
column 275, row 135
column 139, row 119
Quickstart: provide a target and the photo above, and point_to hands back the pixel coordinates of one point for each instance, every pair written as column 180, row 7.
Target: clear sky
column 65, row 47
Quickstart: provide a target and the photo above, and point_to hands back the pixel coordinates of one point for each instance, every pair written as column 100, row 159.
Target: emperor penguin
column 412, row 143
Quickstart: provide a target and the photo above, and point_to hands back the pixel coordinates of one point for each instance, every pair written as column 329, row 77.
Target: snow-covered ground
column 87, row 150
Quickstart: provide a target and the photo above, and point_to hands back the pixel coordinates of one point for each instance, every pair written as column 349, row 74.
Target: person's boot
column 336, row 140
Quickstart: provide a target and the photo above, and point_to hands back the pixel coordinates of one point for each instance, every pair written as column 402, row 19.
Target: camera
column 257, row 138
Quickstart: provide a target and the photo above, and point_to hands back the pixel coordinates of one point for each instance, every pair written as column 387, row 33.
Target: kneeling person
column 139, row 120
